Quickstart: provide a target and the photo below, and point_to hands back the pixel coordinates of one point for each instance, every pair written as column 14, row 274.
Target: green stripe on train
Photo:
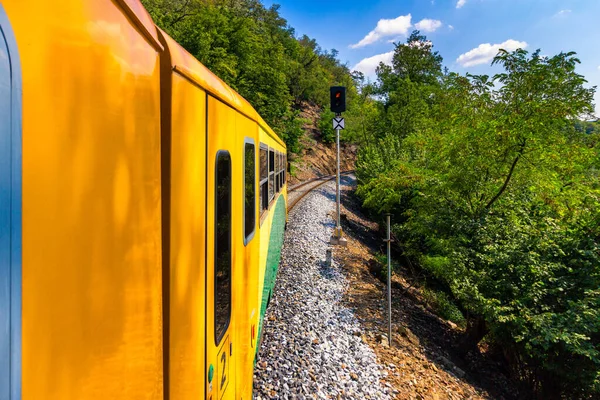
column 273, row 258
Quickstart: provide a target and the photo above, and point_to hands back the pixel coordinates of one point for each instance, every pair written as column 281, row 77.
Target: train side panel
column 91, row 200
column 187, row 236
column 224, row 249
column 272, row 227
column 245, row 281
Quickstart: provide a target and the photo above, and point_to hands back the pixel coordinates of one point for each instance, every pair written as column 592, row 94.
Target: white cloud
column 598, row 67
column 386, row 28
column 485, row 52
column 368, row 65
column 450, row 27
column 428, row 25
column 562, row 13
column 460, row 3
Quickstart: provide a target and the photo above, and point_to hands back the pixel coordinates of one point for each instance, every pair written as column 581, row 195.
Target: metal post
column 389, row 277
column 336, row 238
column 337, row 187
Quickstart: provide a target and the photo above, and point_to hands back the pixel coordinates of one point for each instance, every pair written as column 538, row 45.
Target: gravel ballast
column 312, row 346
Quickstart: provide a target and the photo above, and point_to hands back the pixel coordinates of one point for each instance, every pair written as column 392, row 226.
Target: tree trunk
column 508, row 177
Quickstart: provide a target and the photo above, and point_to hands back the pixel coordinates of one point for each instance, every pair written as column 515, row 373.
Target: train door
column 246, row 305
column 10, row 213
column 187, row 221
column 224, row 194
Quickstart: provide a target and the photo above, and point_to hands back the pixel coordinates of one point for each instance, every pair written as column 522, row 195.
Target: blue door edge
column 16, row 208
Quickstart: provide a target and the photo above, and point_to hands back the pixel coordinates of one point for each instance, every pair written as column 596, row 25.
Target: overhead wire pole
column 389, row 277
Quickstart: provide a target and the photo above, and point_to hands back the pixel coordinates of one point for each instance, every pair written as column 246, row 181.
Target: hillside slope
column 318, row 158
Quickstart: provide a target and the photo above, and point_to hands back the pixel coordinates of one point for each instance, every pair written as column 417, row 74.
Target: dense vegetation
column 493, row 183
column 255, row 51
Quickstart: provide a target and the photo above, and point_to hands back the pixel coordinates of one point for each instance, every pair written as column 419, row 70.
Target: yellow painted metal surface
column 246, row 308
column 91, row 201
column 185, row 64
column 92, row 244
column 222, row 137
column 231, row 122
column 188, row 202
column 228, row 129
column 265, row 225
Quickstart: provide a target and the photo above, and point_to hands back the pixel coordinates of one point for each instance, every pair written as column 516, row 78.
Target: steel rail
column 296, row 188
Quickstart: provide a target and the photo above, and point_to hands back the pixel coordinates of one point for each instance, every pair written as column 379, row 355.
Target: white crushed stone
column 312, row 346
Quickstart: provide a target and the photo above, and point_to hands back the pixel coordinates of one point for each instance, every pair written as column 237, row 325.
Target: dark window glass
column 264, row 178
column 285, row 167
column 281, row 169
column 264, row 171
column 277, row 183
column 222, row 261
column 264, row 192
column 250, row 185
column 271, row 174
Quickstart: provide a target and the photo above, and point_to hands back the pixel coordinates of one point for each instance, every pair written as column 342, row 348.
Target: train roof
column 142, row 19
column 187, row 65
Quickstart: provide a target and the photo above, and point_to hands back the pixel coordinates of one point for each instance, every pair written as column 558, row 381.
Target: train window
column 279, row 172
column 249, row 190
column 281, row 169
column 264, row 178
column 222, row 260
column 277, row 183
column 271, row 174
column 285, row 167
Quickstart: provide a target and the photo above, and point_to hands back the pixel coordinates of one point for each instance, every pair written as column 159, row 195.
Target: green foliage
column 362, row 113
column 293, row 132
column 255, row 51
column 328, row 134
column 383, row 262
column 444, row 306
column 493, row 184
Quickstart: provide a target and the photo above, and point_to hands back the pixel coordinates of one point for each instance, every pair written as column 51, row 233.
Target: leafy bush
column 444, row 306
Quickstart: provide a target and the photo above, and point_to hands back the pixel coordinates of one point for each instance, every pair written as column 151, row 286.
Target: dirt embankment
column 317, row 158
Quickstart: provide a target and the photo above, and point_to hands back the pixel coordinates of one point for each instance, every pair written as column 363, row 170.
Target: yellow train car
column 142, row 210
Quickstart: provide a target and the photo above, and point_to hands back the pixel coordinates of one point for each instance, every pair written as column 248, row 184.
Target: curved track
column 297, row 192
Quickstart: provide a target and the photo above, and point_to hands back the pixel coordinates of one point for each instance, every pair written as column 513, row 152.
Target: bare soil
column 423, row 360
column 317, row 158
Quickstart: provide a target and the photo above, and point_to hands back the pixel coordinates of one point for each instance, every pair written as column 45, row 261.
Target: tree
column 496, row 195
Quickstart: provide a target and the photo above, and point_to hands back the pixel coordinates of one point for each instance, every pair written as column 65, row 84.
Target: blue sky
column 467, row 33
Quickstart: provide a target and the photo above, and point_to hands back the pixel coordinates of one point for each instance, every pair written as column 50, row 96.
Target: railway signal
column 338, row 99
column 338, row 106
column 338, row 123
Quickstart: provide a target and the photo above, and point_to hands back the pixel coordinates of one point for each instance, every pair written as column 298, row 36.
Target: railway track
column 297, row 192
